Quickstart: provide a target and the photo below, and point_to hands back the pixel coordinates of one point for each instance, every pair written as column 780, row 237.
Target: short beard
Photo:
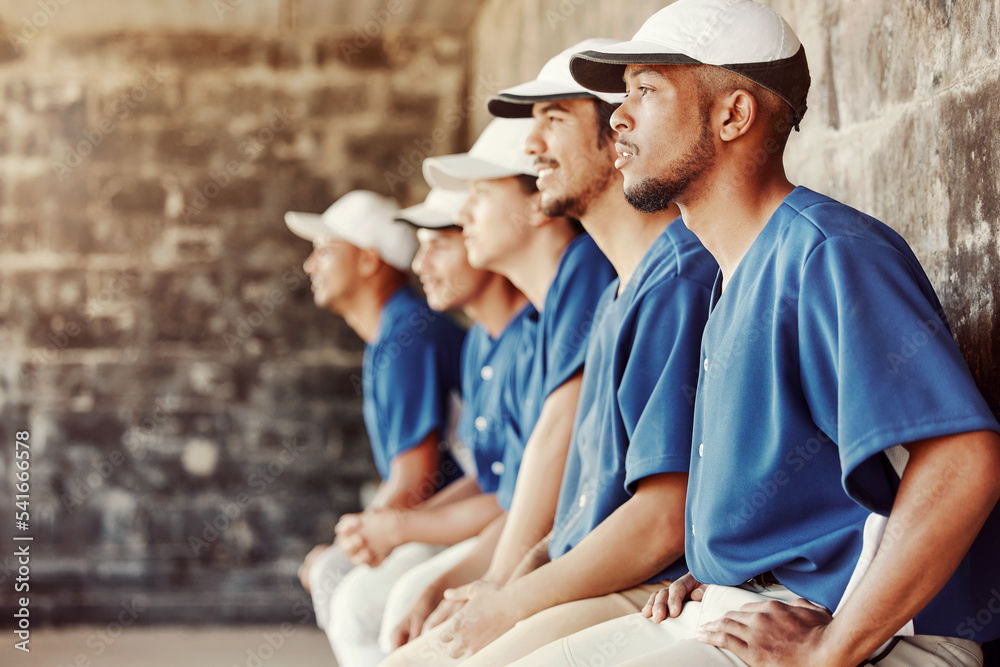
column 652, row 195
column 576, row 206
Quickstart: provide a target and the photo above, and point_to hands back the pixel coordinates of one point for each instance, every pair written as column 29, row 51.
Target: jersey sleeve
column 573, row 311
column 879, row 366
column 656, row 393
column 416, row 398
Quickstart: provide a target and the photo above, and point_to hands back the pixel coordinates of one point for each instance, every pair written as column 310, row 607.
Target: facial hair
column 654, row 194
column 599, row 177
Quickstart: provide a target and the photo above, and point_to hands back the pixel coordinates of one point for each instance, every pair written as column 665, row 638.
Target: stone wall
column 900, row 124
column 194, row 427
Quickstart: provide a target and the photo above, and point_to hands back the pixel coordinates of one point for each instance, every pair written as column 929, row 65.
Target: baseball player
column 410, row 368
column 618, row 527
column 840, row 508
column 564, row 274
column 500, row 313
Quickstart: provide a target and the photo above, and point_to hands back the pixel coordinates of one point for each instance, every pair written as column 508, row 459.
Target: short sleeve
column 879, row 366
column 570, row 311
column 415, row 397
column 656, row 394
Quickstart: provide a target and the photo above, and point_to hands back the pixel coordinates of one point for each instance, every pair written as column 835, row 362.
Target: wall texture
column 900, row 124
column 194, row 426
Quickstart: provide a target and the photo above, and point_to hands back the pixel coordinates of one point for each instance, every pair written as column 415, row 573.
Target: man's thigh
column 359, row 602
column 412, row 584
column 929, row 651
column 427, row 650
column 325, row 575
column 559, row 622
column 635, row 640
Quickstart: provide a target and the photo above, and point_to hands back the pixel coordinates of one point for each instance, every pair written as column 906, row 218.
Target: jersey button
column 529, row 402
column 481, row 424
column 487, row 373
column 701, row 450
column 583, row 500
column 498, row 468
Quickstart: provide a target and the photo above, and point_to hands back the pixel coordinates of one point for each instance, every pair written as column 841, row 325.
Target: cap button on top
column 701, row 450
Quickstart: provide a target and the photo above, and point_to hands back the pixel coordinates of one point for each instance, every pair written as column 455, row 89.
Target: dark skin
column 727, row 208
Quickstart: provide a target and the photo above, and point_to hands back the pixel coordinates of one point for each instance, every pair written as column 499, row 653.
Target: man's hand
column 307, row 564
column 350, row 539
column 488, row 613
column 773, row 634
column 669, row 601
column 422, row 614
column 368, row 538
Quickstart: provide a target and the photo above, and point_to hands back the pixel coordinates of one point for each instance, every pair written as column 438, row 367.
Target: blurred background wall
column 198, row 357
column 195, row 425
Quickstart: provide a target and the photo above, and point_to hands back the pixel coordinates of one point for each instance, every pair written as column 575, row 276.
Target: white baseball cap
column 553, row 83
column 742, row 36
column 363, row 219
column 438, row 211
column 497, row 153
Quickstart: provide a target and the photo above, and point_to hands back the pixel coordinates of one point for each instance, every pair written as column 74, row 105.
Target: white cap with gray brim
column 742, row 36
column 438, row 211
column 363, row 219
column 553, row 83
column 497, row 153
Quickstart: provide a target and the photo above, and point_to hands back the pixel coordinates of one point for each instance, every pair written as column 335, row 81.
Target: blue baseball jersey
column 561, row 332
column 487, row 364
column 636, row 402
column 827, row 349
column 514, row 394
column 410, row 373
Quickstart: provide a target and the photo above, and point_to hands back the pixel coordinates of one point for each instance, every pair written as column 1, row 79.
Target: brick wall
column 900, row 125
column 194, row 427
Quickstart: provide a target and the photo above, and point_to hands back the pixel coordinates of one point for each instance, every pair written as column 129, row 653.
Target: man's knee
column 355, row 612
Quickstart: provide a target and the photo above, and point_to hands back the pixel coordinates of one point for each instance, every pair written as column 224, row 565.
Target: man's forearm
column 947, row 491
column 449, row 523
column 534, row 559
column 411, row 476
column 634, row 544
column 476, row 562
column 538, row 481
column 460, row 489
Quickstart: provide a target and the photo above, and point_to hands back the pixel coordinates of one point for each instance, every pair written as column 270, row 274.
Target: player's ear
column 369, row 262
column 738, row 112
column 533, row 210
